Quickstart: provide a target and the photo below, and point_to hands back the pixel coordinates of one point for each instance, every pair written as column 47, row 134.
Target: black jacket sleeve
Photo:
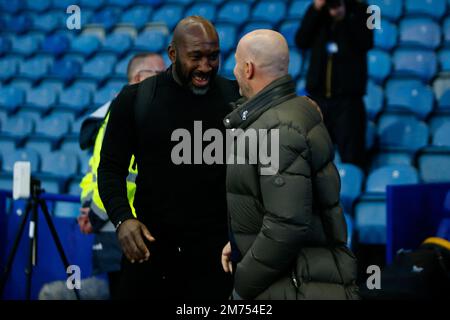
column 307, row 32
column 117, row 148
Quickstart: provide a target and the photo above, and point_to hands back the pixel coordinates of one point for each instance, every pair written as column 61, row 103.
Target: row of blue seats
column 407, row 95
column 413, row 32
column 76, row 98
column 230, row 11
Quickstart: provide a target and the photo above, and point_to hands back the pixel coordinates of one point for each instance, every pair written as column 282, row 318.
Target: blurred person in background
column 336, row 32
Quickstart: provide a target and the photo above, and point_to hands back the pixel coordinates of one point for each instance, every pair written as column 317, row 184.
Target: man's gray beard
column 198, row 91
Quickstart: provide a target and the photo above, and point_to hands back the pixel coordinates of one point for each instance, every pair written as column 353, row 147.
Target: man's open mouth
column 200, row 80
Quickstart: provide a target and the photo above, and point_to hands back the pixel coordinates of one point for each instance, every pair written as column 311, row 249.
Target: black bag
column 420, row 274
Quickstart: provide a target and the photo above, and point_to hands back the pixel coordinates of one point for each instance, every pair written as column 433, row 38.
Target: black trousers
column 177, row 272
column 346, row 121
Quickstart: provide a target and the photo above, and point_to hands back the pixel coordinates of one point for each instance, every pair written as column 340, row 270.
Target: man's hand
column 226, row 258
column 83, row 221
column 131, row 235
column 319, row 4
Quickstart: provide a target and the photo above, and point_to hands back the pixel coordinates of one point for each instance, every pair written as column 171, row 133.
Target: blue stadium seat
column 420, row 32
column 7, row 145
column 410, row 96
column 56, row 44
column 153, row 40
column 433, row 8
column 436, row 121
column 21, row 83
column 48, row 22
column 446, row 30
column 11, row 98
column 269, row 10
column 379, row 65
column 74, row 188
column 104, row 95
column 85, row 44
column 350, row 231
column 391, row 9
column 441, row 137
column 40, row 145
column 298, row 8
column 444, row 101
column 444, row 60
column 295, row 63
column 62, row 4
column 39, row 6
column 379, row 179
column 119, row 3
column 18, row 24
column 370, row 220
column 76, row 126
column 139, row 16
column 118, row 43
column 12, row 6
column 382, row 159
column 402, row 133
column 254, row 25
column 419, row 63
column 52, row 84
column 301, row 87
column 288, row 29
column 8, row 67
column 91, row 4
column 35, row 68
column 169, row 14
column 430, row 161
column 108, row 17
column 89, row 86
column 371, row 134
column 52, row 127
column 60, row 163
column 40, row 99
column 98, row 68
column 386, row 37
column 5, row 45
column 234, row 12
column 26, row 45
column 83, row 158
column 3, row 117
column 352, row 179
column 203, row 9
column 33, row 115
column 228, row 67
column 66, row 210
column 227, row 36
column 70, row 144
column 373, row 100
column 76, row 99
column 121, row 66
column 20, row 155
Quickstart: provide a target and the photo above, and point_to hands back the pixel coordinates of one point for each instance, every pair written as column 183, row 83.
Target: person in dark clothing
column 287, row 222
column 337, row 34
column 173, row 249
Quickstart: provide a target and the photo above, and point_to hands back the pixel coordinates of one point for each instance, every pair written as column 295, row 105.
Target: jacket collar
column 247, row 111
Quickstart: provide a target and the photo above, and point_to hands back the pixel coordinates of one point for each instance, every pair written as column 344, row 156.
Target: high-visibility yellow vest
column 89, row 184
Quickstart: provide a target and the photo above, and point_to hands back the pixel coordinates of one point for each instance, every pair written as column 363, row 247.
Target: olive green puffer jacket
column 289, row 227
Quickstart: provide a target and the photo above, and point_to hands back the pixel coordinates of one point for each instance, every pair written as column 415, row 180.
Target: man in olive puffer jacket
column 287, row 225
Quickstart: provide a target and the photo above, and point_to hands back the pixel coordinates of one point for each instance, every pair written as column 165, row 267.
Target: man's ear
column 249, row 70
column 172, row 52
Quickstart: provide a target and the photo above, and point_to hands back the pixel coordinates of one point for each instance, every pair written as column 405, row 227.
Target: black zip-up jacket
column 184, row 201
column 290, row 222
column 346, row 74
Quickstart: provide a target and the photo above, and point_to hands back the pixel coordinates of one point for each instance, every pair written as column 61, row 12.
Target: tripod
column 33, row 204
